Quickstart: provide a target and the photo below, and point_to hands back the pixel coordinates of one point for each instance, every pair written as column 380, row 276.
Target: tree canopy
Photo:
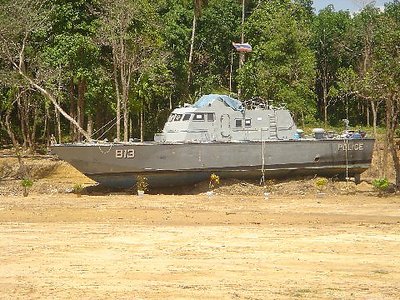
column 115, row 69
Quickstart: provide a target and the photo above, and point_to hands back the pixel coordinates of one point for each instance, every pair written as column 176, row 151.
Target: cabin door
column 225, row 126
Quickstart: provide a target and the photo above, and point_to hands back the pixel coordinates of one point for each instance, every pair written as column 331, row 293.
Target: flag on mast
column 242, row 47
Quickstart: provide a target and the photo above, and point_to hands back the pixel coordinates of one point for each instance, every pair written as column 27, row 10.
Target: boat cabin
column 220, row 118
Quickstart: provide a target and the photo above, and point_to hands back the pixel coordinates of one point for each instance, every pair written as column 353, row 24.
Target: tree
column 219, row 26
column 176, row 32
column 70, row 47
column 20, row 22
column 197, row 10
column 308, row 9
column 366, row 26
column 281, row 66
column 329, row 32
column 130, row 30
column 150, row 87
column 387, row 64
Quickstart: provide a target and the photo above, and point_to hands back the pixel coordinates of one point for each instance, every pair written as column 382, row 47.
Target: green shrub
column 77, row 189
column 214, row 181
column 26, row 184
column 381, row 184
column 321, row 182
column 142, row 183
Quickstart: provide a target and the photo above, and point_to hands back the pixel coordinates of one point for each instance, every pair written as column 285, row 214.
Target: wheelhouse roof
column 207, row 99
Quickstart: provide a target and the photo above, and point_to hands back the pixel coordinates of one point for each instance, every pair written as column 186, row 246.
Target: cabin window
column 247, row 123
column 198, row 117
column 178, row 117
column 210, row 117
column 171, row 118
column 238, row 123
column 186, row 117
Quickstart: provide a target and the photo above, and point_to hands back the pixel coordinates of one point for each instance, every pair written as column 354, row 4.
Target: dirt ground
column 283, row 241
column 195, row 246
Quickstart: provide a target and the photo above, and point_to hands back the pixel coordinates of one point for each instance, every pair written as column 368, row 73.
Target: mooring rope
column 105, row 125
column 346, row 143
column 106, row 131
column 109, row 149
column 262, row 180
column 121, row 118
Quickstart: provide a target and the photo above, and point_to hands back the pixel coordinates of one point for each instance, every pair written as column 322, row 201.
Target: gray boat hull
column 166, row 165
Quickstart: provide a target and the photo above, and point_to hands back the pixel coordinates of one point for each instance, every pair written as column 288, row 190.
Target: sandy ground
column 298, row 243
column 198, row 247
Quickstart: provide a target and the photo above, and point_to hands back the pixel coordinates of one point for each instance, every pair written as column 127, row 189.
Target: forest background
column 95, row 69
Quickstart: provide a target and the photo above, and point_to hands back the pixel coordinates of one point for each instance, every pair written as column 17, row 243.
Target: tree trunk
column 58, row 125
column 126, row 125
column 22, row 108
column 396, row 162
column 325, row 99
column 22, row 117
column 30, row 129
column 130, row 127
column 190, row 61
column 383, row 171
column 81, row 104
column 89, row 128
column 46, row 131
column 72, row 110
column 9, row 130
column 392, row 113
column 22, row 168
column 52, row 99
column 125, row 85
column 141, row 123
column 377, row 149
column 374, row 109
column 118, row 108
column 117, row 89
column 26, row 109
column 34, row 127
column 46, row 123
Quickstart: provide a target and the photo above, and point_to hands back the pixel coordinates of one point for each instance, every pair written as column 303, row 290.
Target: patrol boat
column 221, row 135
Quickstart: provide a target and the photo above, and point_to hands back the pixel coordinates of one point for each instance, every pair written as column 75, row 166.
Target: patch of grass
column 321, row 183
column 142, row 183
column 301, row 293
column 26, row 183
column 214, row 181
column 384, row 272
column 381, row 185
column 77, row 189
